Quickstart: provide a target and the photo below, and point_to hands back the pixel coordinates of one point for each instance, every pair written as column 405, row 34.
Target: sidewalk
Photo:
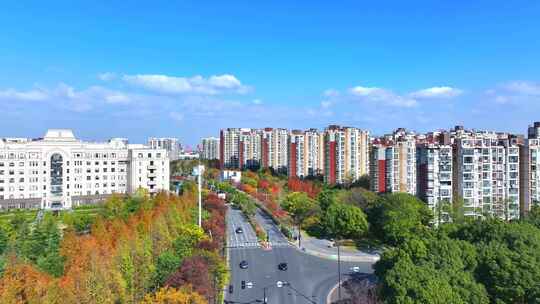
column 310, row 245
column 323, row 249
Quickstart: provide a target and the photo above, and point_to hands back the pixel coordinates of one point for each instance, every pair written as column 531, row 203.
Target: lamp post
column 339, row 271
column 278, row 284
column 199, row 171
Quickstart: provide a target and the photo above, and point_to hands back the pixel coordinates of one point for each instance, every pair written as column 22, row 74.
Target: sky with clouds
column 188, row 69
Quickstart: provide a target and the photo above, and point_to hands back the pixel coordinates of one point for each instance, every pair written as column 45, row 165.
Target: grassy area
column 6, row 216
column 30, row 215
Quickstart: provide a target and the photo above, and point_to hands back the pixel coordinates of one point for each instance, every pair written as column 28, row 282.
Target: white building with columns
column 60, row 171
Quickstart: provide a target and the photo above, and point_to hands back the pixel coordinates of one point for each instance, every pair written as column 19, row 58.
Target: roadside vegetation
column 130, row 250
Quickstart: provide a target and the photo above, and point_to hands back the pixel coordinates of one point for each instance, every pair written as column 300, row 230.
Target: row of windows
column 76, row 186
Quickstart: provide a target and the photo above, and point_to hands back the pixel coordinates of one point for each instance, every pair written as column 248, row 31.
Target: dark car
column 239, row 230
column 244, row 264
column 282, row 266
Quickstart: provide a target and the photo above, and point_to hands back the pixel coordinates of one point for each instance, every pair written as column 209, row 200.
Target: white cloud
column 523, row 88
column 326, row 104
column 68, row 97
column 382, row 96
column 502, row 99
column 257, row 101
column 107, row 76
column 32, row 95
column 214, row 85
column 437, row 92
column 117, row 98
column 514, row 92
column 331, row 93
column 176, row 116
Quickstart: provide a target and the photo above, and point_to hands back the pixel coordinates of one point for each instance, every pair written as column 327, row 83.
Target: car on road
column 282, row 266
column 244, row 264
column 355, row 269
column 239, row 230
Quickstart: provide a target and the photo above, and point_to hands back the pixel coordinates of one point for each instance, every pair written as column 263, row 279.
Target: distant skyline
column 186, row 70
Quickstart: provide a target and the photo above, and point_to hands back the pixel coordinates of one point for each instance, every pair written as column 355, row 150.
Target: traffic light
column 243, row 284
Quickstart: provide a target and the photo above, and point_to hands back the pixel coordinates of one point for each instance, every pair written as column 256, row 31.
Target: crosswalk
column 240, row 245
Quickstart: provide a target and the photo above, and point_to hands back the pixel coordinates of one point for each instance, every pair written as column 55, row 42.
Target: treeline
column 138, row 250
column 480, row 261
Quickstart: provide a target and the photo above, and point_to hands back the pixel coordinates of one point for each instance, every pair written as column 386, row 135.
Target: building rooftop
column 59, row 135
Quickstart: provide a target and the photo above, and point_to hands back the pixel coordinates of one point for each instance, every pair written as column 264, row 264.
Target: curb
column 329, row 296
column 360, row 259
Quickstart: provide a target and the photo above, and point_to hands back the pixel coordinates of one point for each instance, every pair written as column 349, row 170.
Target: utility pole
column 339, row 271
column 199, row 171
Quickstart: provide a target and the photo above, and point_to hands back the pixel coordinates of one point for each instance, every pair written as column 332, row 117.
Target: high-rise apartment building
column 306, row 153
column 250, row 149
column 434, row 177
column 393, row 166
column 229, row 148
column 530, row 169
column 59, row 171
column 171, row 145
column 486, row 174
column 210, row 148
column 275, row 149
column 346, row 154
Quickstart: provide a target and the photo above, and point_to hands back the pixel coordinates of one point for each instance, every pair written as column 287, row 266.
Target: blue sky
column 188, row 69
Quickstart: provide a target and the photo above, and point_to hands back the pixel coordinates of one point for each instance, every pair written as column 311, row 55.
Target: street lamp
column 339, row 271
column 199, row 171
column 279, row 284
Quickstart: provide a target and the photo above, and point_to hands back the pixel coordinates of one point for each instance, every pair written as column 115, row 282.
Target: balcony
column 151, row 167
column 151, row 183
column 151, row 174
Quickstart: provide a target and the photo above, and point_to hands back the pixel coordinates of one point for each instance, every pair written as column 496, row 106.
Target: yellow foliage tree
column 174, row 296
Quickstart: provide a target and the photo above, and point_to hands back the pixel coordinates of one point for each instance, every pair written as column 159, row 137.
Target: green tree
column 398, row 216
column 345, row 221
column 509, row 258
column 457, row 212
column 52, row 262
column 430, row 269
column 533, row 216
column 299, row 206
column 326, row 198
column 167, row 263
column 359, row 197
column 3, row 240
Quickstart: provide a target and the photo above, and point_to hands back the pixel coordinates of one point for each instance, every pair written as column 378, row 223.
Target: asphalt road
column 275, row 236
column 235, row 220
column 311, row 278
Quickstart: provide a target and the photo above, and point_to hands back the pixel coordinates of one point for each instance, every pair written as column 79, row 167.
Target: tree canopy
column 398, row 216
column 345, row 221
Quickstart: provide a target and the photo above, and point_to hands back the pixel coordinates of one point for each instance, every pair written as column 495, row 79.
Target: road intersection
column 308, row 278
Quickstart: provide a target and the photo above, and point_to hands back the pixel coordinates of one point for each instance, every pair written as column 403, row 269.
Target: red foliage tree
column 308, row 187
column 208, row 245
column 263, row 184
column 194, row 271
